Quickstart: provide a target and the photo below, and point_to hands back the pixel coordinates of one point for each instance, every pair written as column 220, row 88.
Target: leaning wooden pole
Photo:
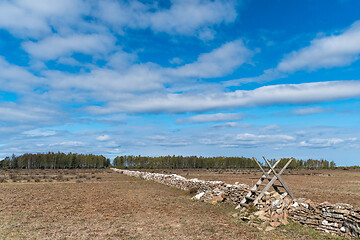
column 255, row 194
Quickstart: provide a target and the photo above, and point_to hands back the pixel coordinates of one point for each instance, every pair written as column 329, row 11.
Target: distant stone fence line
column 229, row 192
column 339, row 219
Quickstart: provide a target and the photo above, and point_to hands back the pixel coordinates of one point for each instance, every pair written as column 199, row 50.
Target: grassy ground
column 113, row 206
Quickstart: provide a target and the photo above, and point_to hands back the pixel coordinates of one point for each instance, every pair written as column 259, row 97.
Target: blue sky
column 190, row 77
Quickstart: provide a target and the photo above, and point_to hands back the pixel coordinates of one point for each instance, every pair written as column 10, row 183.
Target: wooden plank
column 258, row 183
column 267, row 187
column 279, row 177
column 273, row 180
column 269, row 171
column 256, row 191
column 266, row 174
column 268, row 178
column 254, row 188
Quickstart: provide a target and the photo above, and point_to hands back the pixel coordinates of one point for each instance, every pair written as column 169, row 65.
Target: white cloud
column 229, row 125
column 207, row 34
column 16, row 79
column 305, row 93
column 27, row 18
column 327, row 142
column 105, row 83
column 104, row 137
column 247, row 137
column 157, row 137
column 26, row 113
column 176, row 60
column 325, row 52
column 133, row 14
column 121, row 60
column 69, row 61
column 217, row 117
column 271, row 127
column 168, row 140
column 40, row 133
column 218, row 62
column 57, row 46
column 123, row 75
column 187, row 17
column 249, row 140
column 68, row 144
column 336, row 50
column 307, row 111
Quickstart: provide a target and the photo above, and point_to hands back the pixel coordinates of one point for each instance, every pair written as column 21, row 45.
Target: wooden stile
column 255, row 194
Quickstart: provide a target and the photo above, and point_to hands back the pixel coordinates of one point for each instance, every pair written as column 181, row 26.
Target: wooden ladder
column 255, row 193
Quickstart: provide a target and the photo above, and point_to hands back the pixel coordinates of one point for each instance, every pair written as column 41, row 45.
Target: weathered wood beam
column 279, row 177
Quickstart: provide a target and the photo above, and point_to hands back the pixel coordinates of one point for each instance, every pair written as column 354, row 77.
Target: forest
column 54, row 161
column 59, row 160
column 176, row 162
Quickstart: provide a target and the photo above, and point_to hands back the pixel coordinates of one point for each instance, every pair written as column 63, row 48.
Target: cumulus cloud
column 247, row 137
column 26, row 18
column 123, row 75
column 181, row 17
column 304, row 93
column 40, row 133
column 218, row 62
column 104, row 137
column 336, row 50
column 249, row 140
column 121, row 60
column 26, row 113
column 16, row 79
column 217, row 117
column 107, row 83
column 187, row 16
column 68, row 144
column 56, row 46
column 327, row 142
column 325, row 52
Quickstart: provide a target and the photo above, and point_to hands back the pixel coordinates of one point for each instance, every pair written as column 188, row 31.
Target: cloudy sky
column 192, row 77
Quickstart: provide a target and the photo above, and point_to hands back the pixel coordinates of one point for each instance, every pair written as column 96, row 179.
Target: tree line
column 302, row 164
column 176, row 162
column 52, row 160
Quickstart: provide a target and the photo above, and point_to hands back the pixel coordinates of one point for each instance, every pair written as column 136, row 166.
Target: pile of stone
column 271, row 212
column 274, row 210
column 208, row 189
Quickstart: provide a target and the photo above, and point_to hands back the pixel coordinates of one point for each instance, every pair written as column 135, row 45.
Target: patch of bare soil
column 114, row 206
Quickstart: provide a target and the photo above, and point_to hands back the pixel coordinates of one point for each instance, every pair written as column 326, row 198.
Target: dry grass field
column 102, row 204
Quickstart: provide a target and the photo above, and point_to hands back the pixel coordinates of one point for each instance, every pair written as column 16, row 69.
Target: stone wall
column 216, row 190
column 339, row 219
